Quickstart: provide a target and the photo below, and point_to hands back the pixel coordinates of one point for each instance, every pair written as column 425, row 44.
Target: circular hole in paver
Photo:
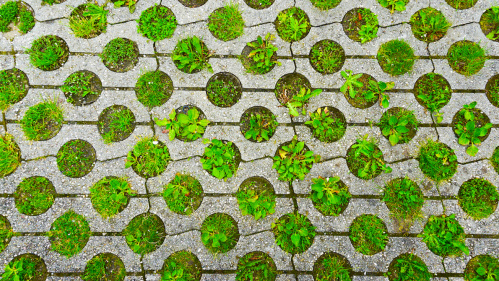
column 394, row 6
column 104, row 266
column 76, row 158
column 34, row 196
column 183, row 261
column 191, row 55
column 145, row 233
column 224, row 89
column 360, row 19
column 460, row 124
column 325, row 5
column 17, row 19
column 444, row 236
column 226, row 23
column 479, row 267
column 461, row 4
column 256, row 266
column 157, row 23
column 82, row 88
column 131, row 5
column 398, row 125
column 259, row 4
column 290, row 85
column 148, row 158
column 358, row 99
column 42, row 121
column 6, row 232
column 466, row 57
column 29, row 267
column 289, row 152
column 437, row 160
column 396, row 57
column 111, row 195
column 489, row 24
column 330, row 196
column 294, row 233
column 69, row 234
column 52, row 2
column 327, row 56
column 265, row 55
column 190, row 115
column 183, row 194
column 258, row 124
column 219, row 233
column 404, row 199
column 154, row 88
column 10, row 155
column 48, row 52
column 256, row 197
column 432, row 91
column 116, row 123
column 478, row 198
column 120, row 55
column 86, row 26
column 494, row 159
column 221, row 159
column 408, row 267
column 363, row 166
column 193, row 3
column 292, row 24
column 429, row 25
column 368, row 234
column 492, row 90
column 332, row 266
column 327, row 124
column 14, row 86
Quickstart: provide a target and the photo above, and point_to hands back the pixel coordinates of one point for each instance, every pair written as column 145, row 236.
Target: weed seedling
column 220, row 158
column 219, row 233
column 120, row 55
column 191, row 55
column 398, row 125
column 183, row 194
column 131, row 4
column 437, row 161
column 188, row 127
column 494, row 159
column 226, row 23
column 461, row 4
column 301, row 100
column 351, row 82
column 327, row 56
column 116, row 123
column 81, row 87
column 256, row 198
column 325, row 5
column 148, row 158
column 157, row 23
column 259, row 126
column 433, row 92
column 10, row 155
column 429, row 25
column 466, row 57
column 256, row 266
column 361, row 25
column 69, row 234
column 365, row 159
column 378, row 89
column 470, row 129
column 259, row 4
column 330, row 195
column 368, row 234
column 110, row 196
column 24, row 267
column 444, row 236
column 294, row 233
column 294, row 161
column 482, row 268
column 394, row 5
column 181, row 266
column 145, row 233
column 34, row 196
column 327, row 125
column 478, row 198
column 292, row 24
column 5, row 232
column 408, row 267
column 88, row 20
column 262, row 56
column 489, row 22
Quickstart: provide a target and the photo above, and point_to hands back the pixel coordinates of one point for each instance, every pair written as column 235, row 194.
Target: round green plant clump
column 120, row 55
column 393, row 6
column 17, row 13
column 82, row 88
column 76, row 158
column 221, row 158
column 294, row 233
column 492, row 90
column 408, row 267
column 365, row 159
column 105, row 266
column 293, row 160
column 256, row 197
column 437, row 161
column 14, row 87
column 444, row 236
column 331, row 266
column 482, row 268
column 34, row 196
column 327, row 56
column 325, row 5
column 157, row 23
column 292, row 24
column 193, row 3
column 148, row 158
column 224, row 89
column 360, row 25
column 5, row 232
column 256, row 266
column 226, row 23
column 398, row 125
column 154, row 88
column 358, row 89
column 396, row 57
column 181, row 265
column 259, row 4
column 328, row 124
column 260, row 56
column 25, row 267
column 116, row 123
column 69, row 234
column 42, row 121
column 183, row 194
column 471, row 126
column 191, row 55
column 111, row 195
column 494, row 160
column 489, row 23
column 330, row 195
column 466, row 57
column 48, row 52
column 478, row 198
column 429, row 25
column 219, row 233
column 368, row 234
column 186, row 123
column 10, row 155
column 145, row 233
column 258, row 124
column 290, row 85
column 88, row 20
column 432, row 91
column 404, row 199
column 461, row 4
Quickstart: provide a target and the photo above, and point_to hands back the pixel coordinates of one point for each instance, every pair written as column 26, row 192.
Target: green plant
column 327, row 56
column 330, row 195
column 365, row 159
column 461, row 4
column 256, row 266
column 437, row 161
column 116, row 123
column 494, row 159
column 26, row 20
column 301, row 100
column 34, row 196
column 145, row 233
column 325, row 4
column 466, row 57
column 482, row 268
column 471, row 131
column 256, row 198
column 368, row 234
column 219, row 233
column 120, row 54
column 294, row 233
column 489, row 22
column 378, row 89
column 48, row 52
column 148, row 158
column 181, row 266
column 326, row 125
column 259, row 4
column 154, row 88
column 367, row 33
column 351, row 82
column 292, row 24
column 404, row 199
column 262, row 57
column 5, row 232
column 399, row 125
column 183, row 194
column 433, row 92
column 157, row 23
column 223, row 90
column 186, row 126
column 17, row 13
column 444, row 236
column 396, row 57
column 332, row 267
column 88, row 20
column 293, row 160
column 191, row 55
column 408, row 267
column 78, row 85
column 13, row 87
column 131, row 4
column 104, row 267
column 69, row 234
column 42, row 121
column 226, row 23
column 478, row 198
column 20, row 270
column 259, row 126
column 76, row 158
column 10, row 155
column 361, row 25
column 429, row 25
column 110, row 195
column 220, row 158
column 393, row 5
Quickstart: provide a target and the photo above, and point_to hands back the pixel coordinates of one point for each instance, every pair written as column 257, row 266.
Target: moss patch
column 478, row 198
column 331, row 266
column 14, row 87
column 76, row 158
column 105, row 266
column 154, row 88
column 368, row 234
column 69, row 234
column 327, row 56
column 116, row 123
column 34, row 195
column 82, row 88
column 120, row 55
column 396, row 57
column 10, row 155
column 224, row 89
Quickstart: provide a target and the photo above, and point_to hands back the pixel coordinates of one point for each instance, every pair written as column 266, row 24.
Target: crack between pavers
column 463, row 24
column 156, row 57
column 49, row 20
column 120, row 22
column 193, row 22
column 262, row 23
column 326, row 24
column 395, row 24
column 429, row 54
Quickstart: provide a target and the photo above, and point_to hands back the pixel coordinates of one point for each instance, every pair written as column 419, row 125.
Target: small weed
column 181, row 266
column 148, row 158
column 10, row 155
column 461, row 4
column 226, row 23
column 327, row 124
column 187, row 127
column 361, row 90
column 69, row 234
column 219, row 233
column 300, row 100
column 17, row 13
column 220, row 158
column 489, row 22
column 404, row 199
column 5, row 232
column 191, row 55
column 494, row 159
column 351, row 82
column 259, row 124
column 82, row 87
column 378, row 89
column 437, row 161
column 13, row 87
column 327, row 56
column 256, row 197
column 42, row 121
column 157, row 23
column 393, row 5
column 330, row 195
column 131, row 4
column 26, row 20
column 466, row 57
column 478, row 198
column 408, row 267
column 224, row 89
column 325, row 5
column 360, row 25
column 399, row 125
column 365, row 159
column 294, row 233
column 332, row 267
column 88, row 20
column 48, row 52
column 145, row 233
column 34, row 196
column 482, row 268
column 262, row 55
column 444, row 236
column 368, row 234
column 120, row 54
column 429, row 25
column 76, row 158
column 292, row 24
column 472, row 127
column 25, row 267
column 183, row 194
column 256, row 266
column 259, row 4
column 433, row 92
column 111, row 195
column 104, row 266
column 396, row 57
column 116, row 123
column 293, row 160
column 491, row 89
column 154, row 88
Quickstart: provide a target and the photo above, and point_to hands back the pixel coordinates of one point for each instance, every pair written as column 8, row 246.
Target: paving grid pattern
column 38, row 158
